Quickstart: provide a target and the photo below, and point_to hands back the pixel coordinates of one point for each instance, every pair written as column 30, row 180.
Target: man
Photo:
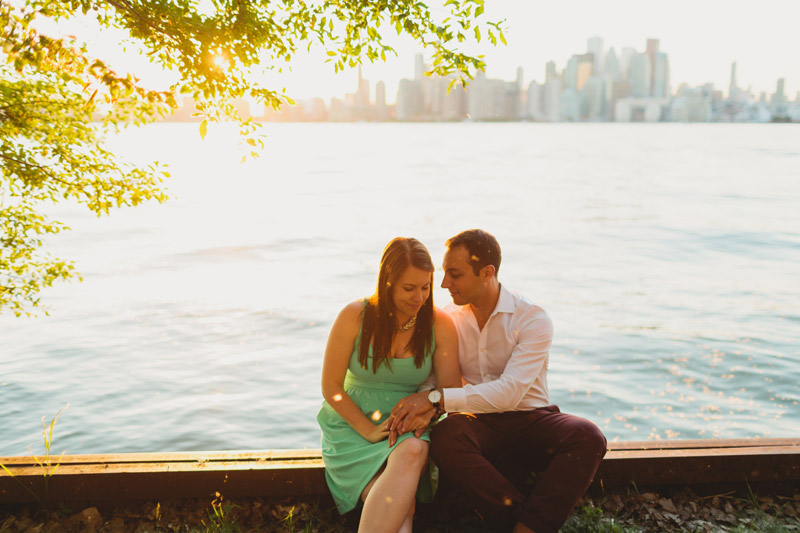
column 502, row 420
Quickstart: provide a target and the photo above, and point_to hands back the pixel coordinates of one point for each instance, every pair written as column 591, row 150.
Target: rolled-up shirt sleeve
column 522, row 382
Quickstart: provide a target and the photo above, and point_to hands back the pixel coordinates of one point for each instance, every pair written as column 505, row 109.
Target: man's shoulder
column 517, row 302
column 528, row 311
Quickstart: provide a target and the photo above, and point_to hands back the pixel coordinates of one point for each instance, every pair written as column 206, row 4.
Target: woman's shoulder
column 348, row 322
column 440, row 314
column 353, row 311
column 442, row 320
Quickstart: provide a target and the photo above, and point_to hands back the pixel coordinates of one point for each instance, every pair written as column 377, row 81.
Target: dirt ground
column 618, row 512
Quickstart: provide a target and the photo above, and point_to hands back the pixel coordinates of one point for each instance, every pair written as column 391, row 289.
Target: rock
column 54, row 526
column 90, row 517
column 115, row 525
column 668, row 506
column 8, row 523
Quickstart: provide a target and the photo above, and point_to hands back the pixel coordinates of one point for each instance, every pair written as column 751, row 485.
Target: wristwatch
column 435, row 397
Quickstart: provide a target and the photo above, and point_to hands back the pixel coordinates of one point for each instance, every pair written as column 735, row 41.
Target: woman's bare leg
column 409, row 520
column 389, row 499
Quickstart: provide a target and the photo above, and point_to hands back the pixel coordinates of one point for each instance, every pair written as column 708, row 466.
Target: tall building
column 585, row 70
column 409, row 100
column 534, row 103
column 580, row 68
column 593, row 99
column 778, row 103
column 570, row 105
column 733, row 90
column 652, row 55
column 454, row 103
column 611, row 66
column 362, row 93
column 419, row 67
column 620, row 90
column 550, row 71
column 552, row 97
column 594, row 45
column 570, row 77
column 381, row 110
column 639, row 76
column 625, row 59
column 660, row 87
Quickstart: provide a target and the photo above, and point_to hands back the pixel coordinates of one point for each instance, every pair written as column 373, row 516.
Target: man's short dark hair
column 483, row 248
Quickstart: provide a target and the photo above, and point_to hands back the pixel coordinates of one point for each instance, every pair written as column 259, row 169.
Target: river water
column 666, row 254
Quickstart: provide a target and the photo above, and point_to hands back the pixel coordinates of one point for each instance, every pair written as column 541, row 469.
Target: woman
column 379, row 350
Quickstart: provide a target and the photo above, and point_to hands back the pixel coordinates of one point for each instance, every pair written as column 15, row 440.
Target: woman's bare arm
column 334, row 368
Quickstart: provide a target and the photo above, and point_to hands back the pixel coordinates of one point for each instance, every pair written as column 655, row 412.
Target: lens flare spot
column 389, row 499
column 376, row 416
column 507, row 501
column 337, row 397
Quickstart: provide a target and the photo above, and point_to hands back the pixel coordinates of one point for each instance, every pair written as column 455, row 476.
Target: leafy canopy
column 57, row 103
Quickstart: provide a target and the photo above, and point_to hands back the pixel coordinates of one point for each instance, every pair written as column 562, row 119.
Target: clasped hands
column 412, row 413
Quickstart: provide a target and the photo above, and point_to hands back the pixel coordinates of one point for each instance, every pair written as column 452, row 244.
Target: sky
column 701, row 37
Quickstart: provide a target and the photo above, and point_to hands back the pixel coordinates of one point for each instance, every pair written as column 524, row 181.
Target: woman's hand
column 377, row 432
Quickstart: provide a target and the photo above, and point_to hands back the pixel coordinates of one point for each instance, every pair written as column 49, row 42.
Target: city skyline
column 597, row 84
column 703, row 39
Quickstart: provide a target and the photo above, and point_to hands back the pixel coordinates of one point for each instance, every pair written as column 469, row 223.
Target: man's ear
column 487, row 272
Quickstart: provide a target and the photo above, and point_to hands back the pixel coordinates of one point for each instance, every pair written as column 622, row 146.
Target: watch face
column 434, row 396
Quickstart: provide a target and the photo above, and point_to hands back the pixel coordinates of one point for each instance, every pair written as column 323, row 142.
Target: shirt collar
column 505, row 302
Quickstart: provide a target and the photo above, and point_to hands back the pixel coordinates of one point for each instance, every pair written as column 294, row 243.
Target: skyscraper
column 733, row 90
column 571, row 73
column 550, row 71
column 652, row 55
column 552, row 97
column 625, row 59
column 585, row 69
column 778, row 102
column 362, row 93
column 534, row 101
column 640, row 76
column 611, row 66
column 660, row 88
column 594, row 45
column 380, row 101
column 419, row 67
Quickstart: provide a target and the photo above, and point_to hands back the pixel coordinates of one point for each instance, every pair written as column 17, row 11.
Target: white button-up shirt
column 505, row 363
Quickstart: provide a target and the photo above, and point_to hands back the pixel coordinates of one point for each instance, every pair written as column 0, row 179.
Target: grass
column 630, row 512
column 46, row 463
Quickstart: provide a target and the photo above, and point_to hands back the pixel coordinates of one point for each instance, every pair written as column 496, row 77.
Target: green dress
column 350, row 460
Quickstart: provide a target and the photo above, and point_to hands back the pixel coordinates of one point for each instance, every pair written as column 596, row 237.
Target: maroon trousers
column 481, row 454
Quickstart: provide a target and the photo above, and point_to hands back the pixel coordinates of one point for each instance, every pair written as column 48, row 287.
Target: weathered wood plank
column 301, row 472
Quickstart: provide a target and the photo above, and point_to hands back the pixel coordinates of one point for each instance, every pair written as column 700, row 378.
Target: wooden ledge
column 154, row 476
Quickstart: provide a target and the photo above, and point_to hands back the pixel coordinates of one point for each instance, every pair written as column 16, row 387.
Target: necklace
column 408, row 325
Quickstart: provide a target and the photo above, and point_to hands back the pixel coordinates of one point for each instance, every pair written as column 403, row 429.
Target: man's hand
column 408, row 413
column 418, row 425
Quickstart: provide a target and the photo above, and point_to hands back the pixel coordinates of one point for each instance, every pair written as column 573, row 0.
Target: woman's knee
column 411, row 450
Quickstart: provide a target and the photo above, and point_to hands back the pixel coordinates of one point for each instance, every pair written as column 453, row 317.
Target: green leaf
column 53, row 152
